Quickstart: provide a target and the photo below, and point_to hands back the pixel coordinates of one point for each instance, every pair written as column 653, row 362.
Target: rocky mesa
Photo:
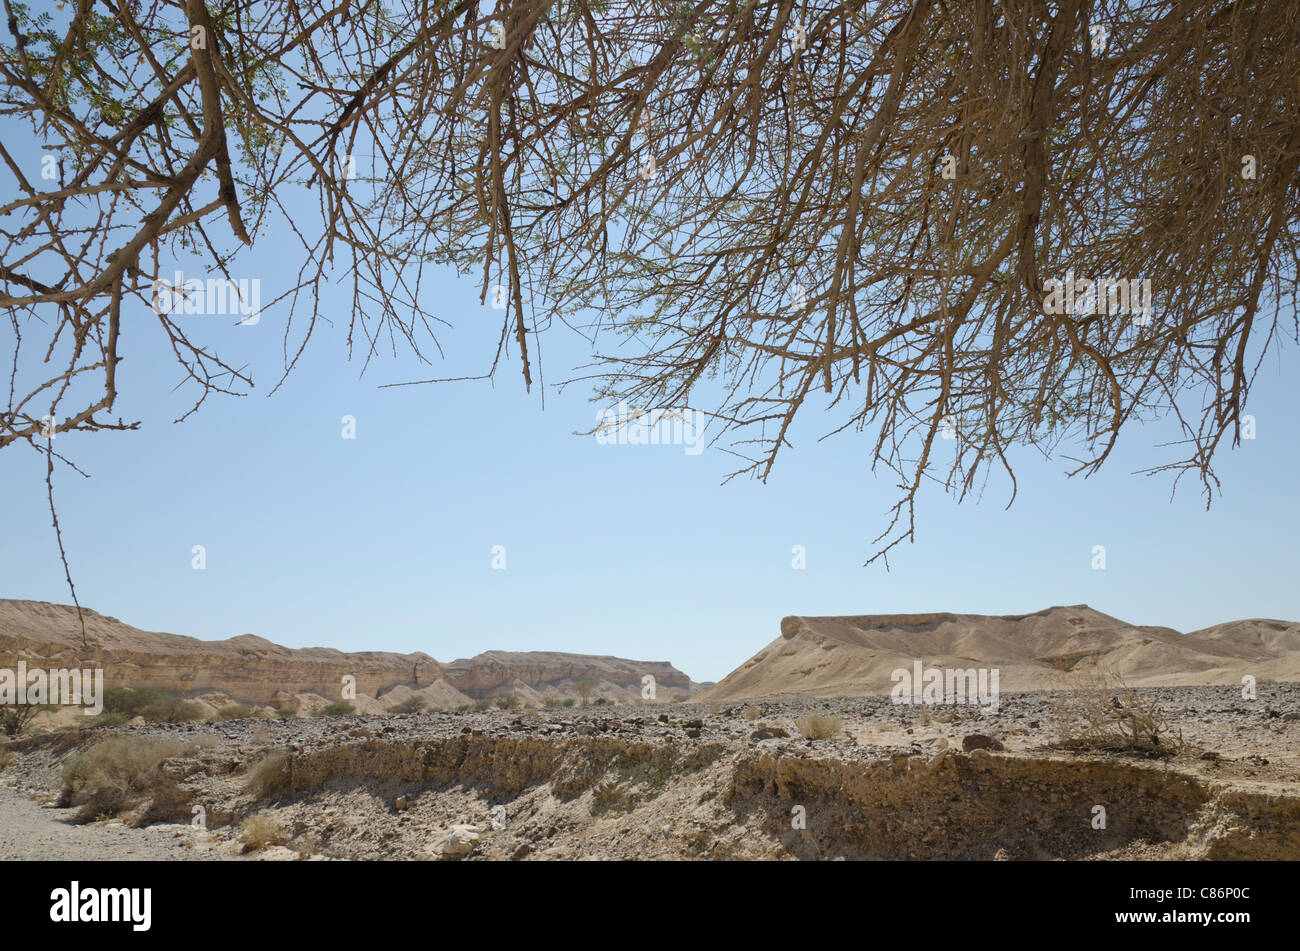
column 856, row 655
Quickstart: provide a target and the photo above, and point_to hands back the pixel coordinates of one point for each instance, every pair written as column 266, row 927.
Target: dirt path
column 30, row 831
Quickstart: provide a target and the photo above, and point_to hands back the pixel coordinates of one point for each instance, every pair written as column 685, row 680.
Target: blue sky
column 385, row 541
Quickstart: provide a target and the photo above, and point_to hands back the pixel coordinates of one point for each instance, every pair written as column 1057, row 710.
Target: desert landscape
column 1103, row 741
column 579, row 431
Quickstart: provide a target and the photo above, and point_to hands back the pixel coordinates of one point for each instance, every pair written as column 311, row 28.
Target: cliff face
column 247, row 668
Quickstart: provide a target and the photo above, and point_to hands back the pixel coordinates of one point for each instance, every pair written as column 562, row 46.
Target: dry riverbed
column 689, row 781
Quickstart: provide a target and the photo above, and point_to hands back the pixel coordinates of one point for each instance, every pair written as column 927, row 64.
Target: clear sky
column 386, row 541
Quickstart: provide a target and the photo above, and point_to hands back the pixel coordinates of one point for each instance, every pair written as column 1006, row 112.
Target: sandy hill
column 853, row 655
column 252, row 669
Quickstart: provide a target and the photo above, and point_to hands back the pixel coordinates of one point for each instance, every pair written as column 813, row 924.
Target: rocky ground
column 697, row 780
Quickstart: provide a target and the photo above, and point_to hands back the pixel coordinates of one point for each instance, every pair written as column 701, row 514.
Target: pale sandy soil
column 33, row 831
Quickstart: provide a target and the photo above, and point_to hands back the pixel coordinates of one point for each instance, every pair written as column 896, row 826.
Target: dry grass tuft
column 818, row 726
column 261, row 831
column 118, row 774
column 271, row 777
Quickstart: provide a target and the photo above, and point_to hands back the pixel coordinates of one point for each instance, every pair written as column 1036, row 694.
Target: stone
column 457, row 841
column 979, row 741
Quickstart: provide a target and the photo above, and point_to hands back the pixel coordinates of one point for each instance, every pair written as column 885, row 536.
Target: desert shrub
column 119, row 773
column 506, row 701
column 257, row 832
column 154, row 706
column 551, row 703
column 481, row 705
column 5, row 758
column 338, row 710
column 818, row 726
column 1099, row 711
column 110, row 719
column 569, row 702
column 610, row 797
column 585, row 686
column 409, row 705
column 237, row 711
column 271, row 777
column 173, row 710
column 17, row 717
column 286, row 712
column 128, row 701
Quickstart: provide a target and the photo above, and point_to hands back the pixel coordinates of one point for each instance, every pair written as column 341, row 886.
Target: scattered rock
column 457, row 841
column 979, row 741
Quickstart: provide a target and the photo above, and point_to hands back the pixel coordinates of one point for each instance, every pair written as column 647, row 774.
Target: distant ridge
column 252, row 669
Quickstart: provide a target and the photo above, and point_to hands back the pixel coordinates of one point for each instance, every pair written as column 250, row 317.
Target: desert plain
column 1104, row 741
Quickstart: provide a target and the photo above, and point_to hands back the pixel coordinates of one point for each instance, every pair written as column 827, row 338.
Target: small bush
column 338, row 710
column 506, row 701
column 818, row 726
column 1100, row 711
column 258, row 832
column 569, row 702
column 271, row 777
column 481, row 705
column 237, row 711
column 585, row 686
column 285, row 713
column 611, row 797
column 410, row 705
column 16, row 717
column 110, row 719
column 119, row 773
column 129, row 702
column 5, row 758
column 154, row 706
column 172, row 710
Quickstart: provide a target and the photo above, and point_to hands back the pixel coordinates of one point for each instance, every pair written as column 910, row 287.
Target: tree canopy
column 1002, row 223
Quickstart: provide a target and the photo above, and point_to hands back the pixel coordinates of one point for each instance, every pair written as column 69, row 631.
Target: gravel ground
column 377, row 811
column 32, row 830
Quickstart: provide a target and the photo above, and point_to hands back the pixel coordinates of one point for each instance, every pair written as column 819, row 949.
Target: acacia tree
column 868, row 209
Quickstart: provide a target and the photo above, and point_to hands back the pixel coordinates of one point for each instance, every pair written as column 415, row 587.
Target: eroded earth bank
column 675, row 781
